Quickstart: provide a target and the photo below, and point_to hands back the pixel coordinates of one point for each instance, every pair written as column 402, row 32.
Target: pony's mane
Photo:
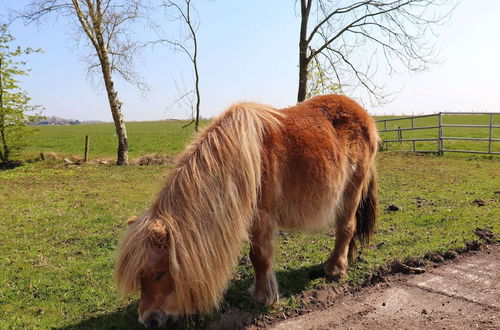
column 202, row 214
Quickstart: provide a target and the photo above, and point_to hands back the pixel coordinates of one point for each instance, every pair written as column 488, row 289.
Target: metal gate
column 404, row 125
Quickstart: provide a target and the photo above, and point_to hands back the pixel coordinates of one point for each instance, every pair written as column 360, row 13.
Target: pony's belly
column 312, row 199
column 308, row 211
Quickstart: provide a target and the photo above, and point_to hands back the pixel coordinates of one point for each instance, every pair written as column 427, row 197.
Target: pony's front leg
column 265, row 288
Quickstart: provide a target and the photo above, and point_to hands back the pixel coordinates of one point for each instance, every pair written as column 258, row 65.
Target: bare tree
column 106, row 25
column 187, row 43
column 346, row 38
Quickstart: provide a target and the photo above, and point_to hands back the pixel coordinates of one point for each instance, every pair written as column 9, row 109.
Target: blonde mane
column 202, row 214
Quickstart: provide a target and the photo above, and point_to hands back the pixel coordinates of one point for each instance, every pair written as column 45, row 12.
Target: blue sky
column 249, row 52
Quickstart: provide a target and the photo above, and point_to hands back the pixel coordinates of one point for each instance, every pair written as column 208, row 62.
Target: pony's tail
column 366, row 214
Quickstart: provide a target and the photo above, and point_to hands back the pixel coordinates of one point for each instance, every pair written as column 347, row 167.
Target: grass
column 60, row 225
column 165, row 137
column 60, row 228
column 470, row 132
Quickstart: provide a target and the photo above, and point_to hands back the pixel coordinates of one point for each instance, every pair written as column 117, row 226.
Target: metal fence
column 440, row 137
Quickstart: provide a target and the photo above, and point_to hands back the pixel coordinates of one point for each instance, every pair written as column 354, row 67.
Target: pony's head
column 158, row 302
column 143, row 265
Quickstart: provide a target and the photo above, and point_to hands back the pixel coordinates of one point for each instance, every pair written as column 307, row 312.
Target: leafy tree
column 319, row 81
column 16, row 113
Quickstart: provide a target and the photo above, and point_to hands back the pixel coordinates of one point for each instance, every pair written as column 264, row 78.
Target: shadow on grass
column 291, row 282
column 9, row 165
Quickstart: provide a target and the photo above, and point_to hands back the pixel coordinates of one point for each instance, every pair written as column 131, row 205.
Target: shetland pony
column 252, row 171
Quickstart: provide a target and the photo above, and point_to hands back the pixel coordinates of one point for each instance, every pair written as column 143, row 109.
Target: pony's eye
column 159, row 276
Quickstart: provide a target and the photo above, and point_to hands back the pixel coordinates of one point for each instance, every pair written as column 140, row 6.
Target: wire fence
column 439, row 133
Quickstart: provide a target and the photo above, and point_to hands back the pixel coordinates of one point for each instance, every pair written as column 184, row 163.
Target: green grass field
column 61, row 225
column 165, row 137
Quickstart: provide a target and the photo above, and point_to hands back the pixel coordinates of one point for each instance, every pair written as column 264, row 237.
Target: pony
column 252, row 171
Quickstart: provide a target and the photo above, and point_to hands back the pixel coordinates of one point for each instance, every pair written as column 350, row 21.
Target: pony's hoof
column 265, row 300
column 336, row 276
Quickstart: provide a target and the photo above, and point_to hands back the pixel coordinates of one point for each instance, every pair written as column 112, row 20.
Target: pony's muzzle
column 153, row 319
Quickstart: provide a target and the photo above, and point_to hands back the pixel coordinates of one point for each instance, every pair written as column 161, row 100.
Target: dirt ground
column 459, row 294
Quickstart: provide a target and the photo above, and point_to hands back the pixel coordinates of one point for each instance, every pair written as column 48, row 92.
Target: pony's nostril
column 155, row 319
column 152, row 322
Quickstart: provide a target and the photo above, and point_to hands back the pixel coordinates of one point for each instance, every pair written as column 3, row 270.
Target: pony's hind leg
column 345, row 227
column 265, row 288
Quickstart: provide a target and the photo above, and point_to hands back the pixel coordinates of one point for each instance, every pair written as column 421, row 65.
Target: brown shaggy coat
column 252, row 171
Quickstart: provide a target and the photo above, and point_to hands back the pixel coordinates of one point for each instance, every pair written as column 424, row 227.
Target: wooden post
column 491, row 133
column 440, row 143
column 86, row 155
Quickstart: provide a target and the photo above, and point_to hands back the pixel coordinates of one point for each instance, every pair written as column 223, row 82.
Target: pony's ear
column 158, row 233
column 131, row 220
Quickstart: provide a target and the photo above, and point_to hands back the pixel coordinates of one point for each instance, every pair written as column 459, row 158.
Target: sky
column 248, row 51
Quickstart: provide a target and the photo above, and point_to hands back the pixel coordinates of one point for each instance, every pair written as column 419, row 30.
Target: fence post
column 86, row 155
column 491, row 133
column 440, row 143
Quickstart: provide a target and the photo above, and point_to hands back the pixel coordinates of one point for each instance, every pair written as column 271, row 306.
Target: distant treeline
column 54, row 120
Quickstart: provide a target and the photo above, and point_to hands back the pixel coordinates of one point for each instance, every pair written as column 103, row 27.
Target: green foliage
column 319, row 81
column 15, row 111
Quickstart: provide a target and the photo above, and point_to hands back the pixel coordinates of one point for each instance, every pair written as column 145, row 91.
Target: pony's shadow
column 291, row 282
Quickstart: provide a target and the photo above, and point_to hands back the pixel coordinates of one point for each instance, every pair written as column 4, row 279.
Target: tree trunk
column 197, row 121
column 305, row 7
column 4, row 155
column 197, row 78
column 94, row 31
column 303, row 63
column 115, row 104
